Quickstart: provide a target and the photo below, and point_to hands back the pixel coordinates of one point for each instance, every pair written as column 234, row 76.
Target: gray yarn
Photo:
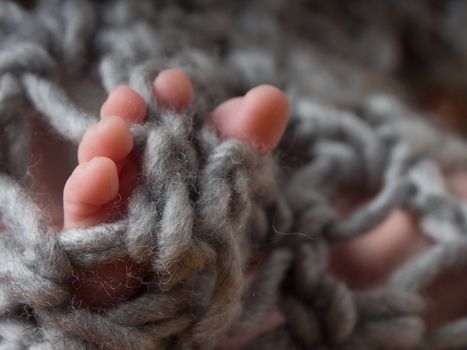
column 207, row 206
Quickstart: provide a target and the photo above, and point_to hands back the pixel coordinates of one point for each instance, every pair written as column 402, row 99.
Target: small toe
column 91, row 185
column 126, row 103
column 259, row 118
column 110, row 137
column 173, row 89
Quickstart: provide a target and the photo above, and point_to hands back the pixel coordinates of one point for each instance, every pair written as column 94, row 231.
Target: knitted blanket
column 208, row 207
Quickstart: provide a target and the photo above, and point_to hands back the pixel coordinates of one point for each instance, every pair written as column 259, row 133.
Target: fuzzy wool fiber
column 208, row 207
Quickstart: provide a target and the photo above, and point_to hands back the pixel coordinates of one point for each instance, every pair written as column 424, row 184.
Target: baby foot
column 100, row 185
column 105, row 174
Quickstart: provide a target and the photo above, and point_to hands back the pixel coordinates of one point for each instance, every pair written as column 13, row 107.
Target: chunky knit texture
column 207, row 207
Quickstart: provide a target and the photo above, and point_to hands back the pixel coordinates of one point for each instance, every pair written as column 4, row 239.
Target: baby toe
column 259, row 118
column 91, row 185
column 126, row 103
column 173, row 89
column 110, row 138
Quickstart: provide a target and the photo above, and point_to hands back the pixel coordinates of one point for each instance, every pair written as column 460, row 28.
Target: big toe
column 259, row 118
column 91, row 185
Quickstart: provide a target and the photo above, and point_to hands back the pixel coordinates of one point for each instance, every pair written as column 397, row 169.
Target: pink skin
column 98, row 188
column 368, row 261
column 107, row 173
column 256, row 118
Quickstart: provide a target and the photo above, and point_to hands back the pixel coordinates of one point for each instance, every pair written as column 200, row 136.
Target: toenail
column 110, row 120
